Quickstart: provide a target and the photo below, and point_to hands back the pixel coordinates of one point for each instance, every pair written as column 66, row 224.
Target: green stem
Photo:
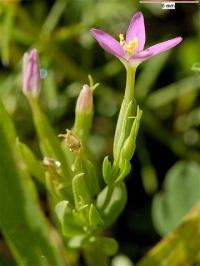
column 130, row 84
column 50, row 142
column 128, row 97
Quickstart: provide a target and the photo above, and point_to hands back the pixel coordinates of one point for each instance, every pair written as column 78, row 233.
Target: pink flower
column 31, row 73
column 131, row 49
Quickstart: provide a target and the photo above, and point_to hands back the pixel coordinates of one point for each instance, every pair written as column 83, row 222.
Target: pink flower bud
column 31, row 73
column 85, row 100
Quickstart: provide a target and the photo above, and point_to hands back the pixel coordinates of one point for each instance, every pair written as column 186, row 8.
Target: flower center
column 129, row 47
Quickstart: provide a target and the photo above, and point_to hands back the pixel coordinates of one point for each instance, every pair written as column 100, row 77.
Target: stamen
column 129, row 47
column 121, row 39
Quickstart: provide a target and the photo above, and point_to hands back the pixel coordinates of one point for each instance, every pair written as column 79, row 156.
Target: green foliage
column 196, row 67
column 181, row 247
column 181, row 193
column 60, row 32
column 21, row 220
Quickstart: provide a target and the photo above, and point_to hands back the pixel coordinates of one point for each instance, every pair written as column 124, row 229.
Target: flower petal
column 107, row 42
column 137, row 29
column 143, row 55
column 162, row 47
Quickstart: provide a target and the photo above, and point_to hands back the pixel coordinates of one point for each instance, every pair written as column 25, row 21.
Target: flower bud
column 85, row 100
column 84, row 113
column 31, row 73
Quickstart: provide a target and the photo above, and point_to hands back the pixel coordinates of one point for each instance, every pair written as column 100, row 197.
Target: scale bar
column 160, row 2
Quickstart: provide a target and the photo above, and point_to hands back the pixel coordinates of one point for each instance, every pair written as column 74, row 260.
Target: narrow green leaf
column 125, row 170
column 21, row 220
column 107, row 171
column 166, row 95
column 81, row 193
column 121, row 136
column 94, row 217
column 35, row 167
column 8, row 25
column 92, row 179
column 54, row 16
column 130, row 143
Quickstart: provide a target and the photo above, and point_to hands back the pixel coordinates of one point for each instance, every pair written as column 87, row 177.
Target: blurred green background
column 167, row 90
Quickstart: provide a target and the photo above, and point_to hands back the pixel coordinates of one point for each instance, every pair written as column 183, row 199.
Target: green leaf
column 111, row 201
column 60, row 210
column 196, row 67
column 8, row 26
column 130, row 143
column 94, row 217
column 107, row 171
column 21, row 220
column 168, row 94
column 66, row 218
column 81, row 193
column 91, row 179
column 181, row 247
column 120, row 136
column 124, row 171
column 7, row 124
column 181, row 193
column 107, row 245
column 35, row 167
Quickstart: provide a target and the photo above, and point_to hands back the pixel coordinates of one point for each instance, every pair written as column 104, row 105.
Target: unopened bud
column 85, row 100
column 84, row 113
column 31, row 73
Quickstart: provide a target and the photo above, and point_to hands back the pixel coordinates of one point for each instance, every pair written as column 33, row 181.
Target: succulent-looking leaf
column 66, row 217
column 182, row 192
column 107, row 245
column 111, row 201
column 181, row 247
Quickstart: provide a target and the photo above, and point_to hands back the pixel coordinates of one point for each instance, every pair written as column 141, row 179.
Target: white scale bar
column 160, row 2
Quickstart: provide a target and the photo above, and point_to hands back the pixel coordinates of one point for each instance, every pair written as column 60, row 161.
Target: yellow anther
column 121, row 39
column 131, row 46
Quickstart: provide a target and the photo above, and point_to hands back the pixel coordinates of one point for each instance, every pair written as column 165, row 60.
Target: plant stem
column 128, row 97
